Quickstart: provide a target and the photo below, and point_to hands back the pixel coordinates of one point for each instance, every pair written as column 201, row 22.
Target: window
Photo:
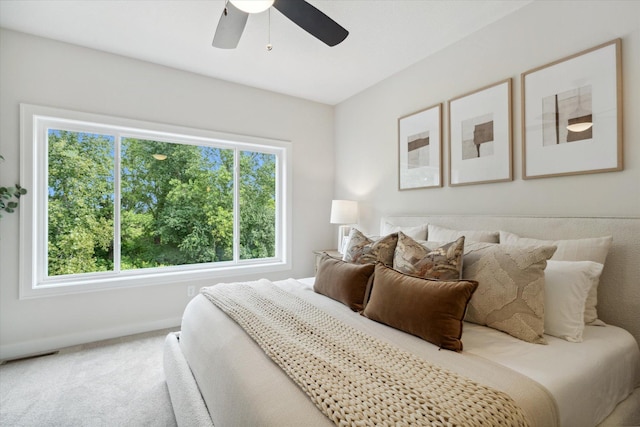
column 117, row 202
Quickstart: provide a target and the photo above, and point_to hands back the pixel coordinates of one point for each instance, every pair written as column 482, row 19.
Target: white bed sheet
column 606, row 365
column 587, row 379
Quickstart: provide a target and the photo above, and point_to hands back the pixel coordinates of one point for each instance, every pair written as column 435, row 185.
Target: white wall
column 541, row 32
column 40, row 71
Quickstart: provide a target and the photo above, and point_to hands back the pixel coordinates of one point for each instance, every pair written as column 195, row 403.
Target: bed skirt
column 188, row 405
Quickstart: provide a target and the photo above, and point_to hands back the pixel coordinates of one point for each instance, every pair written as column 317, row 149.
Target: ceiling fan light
column 579, row 127
column 252, row 6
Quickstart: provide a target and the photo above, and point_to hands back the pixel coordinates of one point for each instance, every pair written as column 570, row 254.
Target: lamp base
column 343, row 236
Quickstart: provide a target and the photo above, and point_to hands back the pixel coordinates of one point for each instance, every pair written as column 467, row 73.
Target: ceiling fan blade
column 230, row 27
column 312, row 21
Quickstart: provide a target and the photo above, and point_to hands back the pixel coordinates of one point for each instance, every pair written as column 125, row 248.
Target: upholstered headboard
column 619, row 289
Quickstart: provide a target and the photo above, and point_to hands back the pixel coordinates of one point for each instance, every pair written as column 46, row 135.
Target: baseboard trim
column 50, row 344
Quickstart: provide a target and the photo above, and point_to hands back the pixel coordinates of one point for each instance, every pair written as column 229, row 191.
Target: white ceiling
column 385, row 36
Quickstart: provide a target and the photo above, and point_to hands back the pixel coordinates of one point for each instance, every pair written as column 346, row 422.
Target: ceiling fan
column 235, row 14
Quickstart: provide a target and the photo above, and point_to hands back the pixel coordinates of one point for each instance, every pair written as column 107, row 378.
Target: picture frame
column 572, row 114
column 420, row 149
column 480, row 136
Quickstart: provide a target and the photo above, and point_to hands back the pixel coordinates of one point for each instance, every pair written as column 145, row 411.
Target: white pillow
column 567, row 285
column 436, row 233
column 418, row 232
column 590, row 249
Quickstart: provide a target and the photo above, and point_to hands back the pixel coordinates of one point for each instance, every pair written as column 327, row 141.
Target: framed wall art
column 572, row 114
column 480, row 136
column 420, row 149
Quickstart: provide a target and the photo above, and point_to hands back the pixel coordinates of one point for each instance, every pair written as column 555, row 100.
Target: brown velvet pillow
column 430, row 309
column 343, row 281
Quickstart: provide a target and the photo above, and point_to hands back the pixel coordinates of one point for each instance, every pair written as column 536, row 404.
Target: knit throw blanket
column 353, row 378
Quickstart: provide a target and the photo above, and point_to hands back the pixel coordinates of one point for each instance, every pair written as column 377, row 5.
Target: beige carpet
column 118, row 382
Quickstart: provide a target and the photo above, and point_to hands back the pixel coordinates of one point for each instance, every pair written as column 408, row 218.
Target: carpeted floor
column 118, row 382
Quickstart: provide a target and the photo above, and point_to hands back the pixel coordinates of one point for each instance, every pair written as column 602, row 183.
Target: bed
column 218, row 375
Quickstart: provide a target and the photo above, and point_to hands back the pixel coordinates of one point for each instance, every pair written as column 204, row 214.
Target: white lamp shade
column 252, row 6
column 344, row 212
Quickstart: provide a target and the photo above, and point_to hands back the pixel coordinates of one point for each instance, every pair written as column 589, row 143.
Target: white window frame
column 34, row 122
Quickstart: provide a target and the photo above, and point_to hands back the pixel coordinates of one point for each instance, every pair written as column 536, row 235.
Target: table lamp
column 343, row 212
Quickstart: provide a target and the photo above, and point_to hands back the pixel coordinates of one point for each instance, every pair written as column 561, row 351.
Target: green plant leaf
column 9, row 196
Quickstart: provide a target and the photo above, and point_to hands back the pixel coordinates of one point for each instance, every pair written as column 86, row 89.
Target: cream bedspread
column 352, row 377
column 247, row 388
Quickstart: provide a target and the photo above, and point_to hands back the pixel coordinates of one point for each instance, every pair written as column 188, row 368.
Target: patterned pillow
column 363, row 250
column 444, row 263
column 510, row 294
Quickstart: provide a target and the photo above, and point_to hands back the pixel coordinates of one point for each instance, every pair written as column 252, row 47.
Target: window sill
column 203, row 276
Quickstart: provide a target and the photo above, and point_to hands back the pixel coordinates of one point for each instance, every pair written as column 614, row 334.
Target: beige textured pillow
column 510, row 295
column 444, row 263
column 441, row 234
column 589, row 249
column 430, row 309
column 343, row 281
column 363, row 250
